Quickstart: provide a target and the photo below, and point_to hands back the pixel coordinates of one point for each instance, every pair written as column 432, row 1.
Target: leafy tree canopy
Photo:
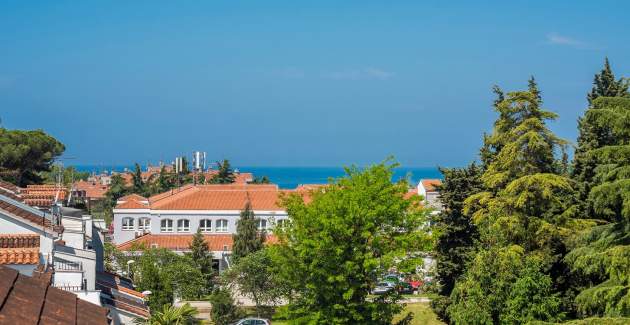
column 337, row 245
column 23, row 154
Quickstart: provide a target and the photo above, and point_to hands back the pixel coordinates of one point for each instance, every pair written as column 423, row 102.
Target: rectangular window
column 222, row 225
column 166, row 225
column 127, row 224
column 205, row 225
column 262, row 224
column 144, row 224
column 183, row 225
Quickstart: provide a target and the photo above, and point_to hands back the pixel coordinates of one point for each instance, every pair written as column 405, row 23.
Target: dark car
column 405, row 288
column 383, row 288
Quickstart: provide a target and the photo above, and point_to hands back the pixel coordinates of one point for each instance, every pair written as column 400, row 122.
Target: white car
column 253, row 321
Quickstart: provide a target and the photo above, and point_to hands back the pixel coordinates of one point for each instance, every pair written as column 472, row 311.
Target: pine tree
column 457, row 234
column 522, row 217
column 137, row 185
column 248, row 238
column 603, row 256
column 202, row 257
column 605, row 85
column 225, row 174
column 591, row 136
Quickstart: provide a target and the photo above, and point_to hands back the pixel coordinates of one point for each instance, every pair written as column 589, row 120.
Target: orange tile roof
column 429, row 184
column 93, row 190
column 133, row 197
column 19, row 240
column 132, row 204
column 216, row 242
column 24, row 214
column 43, row 195
column 19, row 256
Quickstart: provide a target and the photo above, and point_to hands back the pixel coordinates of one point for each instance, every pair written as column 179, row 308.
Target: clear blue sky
column 280, row 83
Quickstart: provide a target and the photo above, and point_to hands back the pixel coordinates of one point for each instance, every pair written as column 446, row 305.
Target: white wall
column 9, row 225
column 121, row 236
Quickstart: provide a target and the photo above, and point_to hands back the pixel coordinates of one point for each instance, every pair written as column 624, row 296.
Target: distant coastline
column 291, row 177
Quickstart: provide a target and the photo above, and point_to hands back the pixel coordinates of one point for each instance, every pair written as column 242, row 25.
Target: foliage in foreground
column 336, row 246
column 603, row 253
column 170, row 315
column 523, row 217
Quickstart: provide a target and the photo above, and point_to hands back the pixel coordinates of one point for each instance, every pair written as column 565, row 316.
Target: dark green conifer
column 248, row 238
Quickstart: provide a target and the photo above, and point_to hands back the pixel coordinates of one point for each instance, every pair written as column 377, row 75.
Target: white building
column 427, row 189
column 66, row 245
column 169, row 220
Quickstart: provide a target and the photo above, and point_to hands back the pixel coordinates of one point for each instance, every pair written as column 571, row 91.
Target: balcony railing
column 68, row 266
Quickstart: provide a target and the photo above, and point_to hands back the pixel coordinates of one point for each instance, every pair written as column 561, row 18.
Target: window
column 282, row 223
column 221, row 225
column 205, row 225
column 262, row 224
column 183, row 225
column 166, row 225
column 127, row 224
column 144, row 224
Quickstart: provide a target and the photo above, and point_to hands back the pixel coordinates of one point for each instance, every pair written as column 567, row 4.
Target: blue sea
column 291, row 177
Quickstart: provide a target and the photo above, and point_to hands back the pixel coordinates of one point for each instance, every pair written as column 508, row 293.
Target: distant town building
column 199, row 161
column 427, row 189
column 168, row 220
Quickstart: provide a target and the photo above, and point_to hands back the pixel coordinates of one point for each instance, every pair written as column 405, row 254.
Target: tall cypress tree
column 202, row 257
column 457, row 233
column 603, row 256
column 138, row 184
column 248, row 238
column 591, row 136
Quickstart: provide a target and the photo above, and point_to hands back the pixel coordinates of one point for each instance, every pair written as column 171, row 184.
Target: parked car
column 253, row 321
column 383, row 288
column 405, row 288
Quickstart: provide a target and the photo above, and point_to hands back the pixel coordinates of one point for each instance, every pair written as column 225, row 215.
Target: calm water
column 290, row 177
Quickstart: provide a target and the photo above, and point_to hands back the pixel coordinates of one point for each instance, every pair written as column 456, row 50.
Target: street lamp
column 129, row 262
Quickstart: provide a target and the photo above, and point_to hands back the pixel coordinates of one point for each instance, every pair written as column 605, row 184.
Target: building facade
column 169, row 220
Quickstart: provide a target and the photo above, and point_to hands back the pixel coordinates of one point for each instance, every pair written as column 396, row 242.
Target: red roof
column 429, row 184
column 93, row 190
column 26, row 215
column 26, row 256
column 211, row 197
column 30, row 300
column 216, row 242
column 19, row 240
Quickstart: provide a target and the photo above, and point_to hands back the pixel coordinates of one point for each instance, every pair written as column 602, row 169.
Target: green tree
column 456, row 233
column 254, row 276
column 248, row 238
column 202, row 258
column 171, row 315
column 138, row 185
column 167, row 275
column 261, row 180
column 24, row 154
column 592, row 136
column 336, row 246
column 224, row 310
column 602, row 255
column 68, row 175
column 225, row 174
column 605, row 85
column 523, row 218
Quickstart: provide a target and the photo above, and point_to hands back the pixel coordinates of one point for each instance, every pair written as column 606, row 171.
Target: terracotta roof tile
column 216, row 242
column 22, row 213
column 26, row 300
column 19, row 240
column 19, row 256
column 429, row 184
